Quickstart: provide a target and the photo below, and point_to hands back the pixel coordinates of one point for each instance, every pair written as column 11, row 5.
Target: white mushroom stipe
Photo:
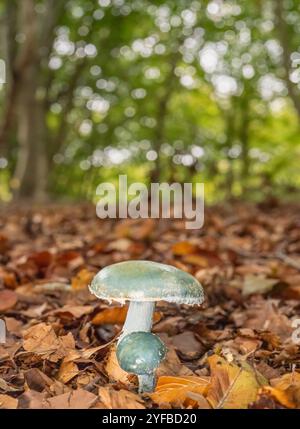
column 146, row 382
column 139, row 317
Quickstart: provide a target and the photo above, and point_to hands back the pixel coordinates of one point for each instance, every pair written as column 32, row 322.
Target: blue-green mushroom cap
column 140, row 353
column 146, row 281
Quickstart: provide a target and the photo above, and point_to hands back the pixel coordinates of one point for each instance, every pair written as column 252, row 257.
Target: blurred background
column 183, row 90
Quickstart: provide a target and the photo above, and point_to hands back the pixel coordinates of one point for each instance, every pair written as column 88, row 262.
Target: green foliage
column 196, row 90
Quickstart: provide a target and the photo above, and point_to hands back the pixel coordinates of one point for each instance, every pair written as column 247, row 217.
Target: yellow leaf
column 184, row 248
column 82, row 279
column 279, row 395
column 232, row 386
column 176, row 390
column 289, row 387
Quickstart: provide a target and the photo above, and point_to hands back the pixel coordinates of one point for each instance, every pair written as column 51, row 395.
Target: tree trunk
column 162, row 112
column 282, row 29
column 230, row 135
column 30, row 176
column 244, row 140
column 31, row 170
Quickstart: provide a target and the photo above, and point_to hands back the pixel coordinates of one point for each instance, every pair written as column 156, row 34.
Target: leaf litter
column 236, row 351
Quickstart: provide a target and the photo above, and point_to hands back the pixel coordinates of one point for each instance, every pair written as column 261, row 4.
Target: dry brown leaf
column 265, row 315
column 176, row 390
column 41, row 259
column 8, row 402
column 8, row 299
column 8, row 278
column 42, row 340
column 187, row 344
column 32, row 399
column 196, row 260
column 73, row 354
column 37, row 380
column 82, row 279
column 67, row 371
column 172, row 365
column 73, row 311
column 113, row 369
column 257, row 284
column 76, row 399
column 121, row 399
column 232, row 386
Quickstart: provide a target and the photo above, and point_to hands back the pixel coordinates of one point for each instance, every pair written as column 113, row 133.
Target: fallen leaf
column 70, row 259
column 8, row 300
column 76, row 399
column 7, row 387
column 187, row 344
column 32, row 399
column 121, row 399
column 176, row 390
column 8, row 402
column 232, row 386
column 67, row 371
column 82, row 279
column 41, row 259
column 266, row 316
column 279, row 395
column 172, row 365
column 257, row 284
column 113, row 369
column 197, row 260
column 37, row 380
column 114, row 315
column 117, row 316
column 40, row 338
column 289, row 384
column 73, row 311
column 184, row 248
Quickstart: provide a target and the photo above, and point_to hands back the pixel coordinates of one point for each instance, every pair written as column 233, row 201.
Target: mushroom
column 141, row 353
column 143, row 283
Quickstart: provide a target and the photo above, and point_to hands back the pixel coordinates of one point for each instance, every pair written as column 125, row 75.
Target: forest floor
column 238, row 350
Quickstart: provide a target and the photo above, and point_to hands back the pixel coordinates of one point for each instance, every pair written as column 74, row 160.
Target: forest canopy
column 205, row 91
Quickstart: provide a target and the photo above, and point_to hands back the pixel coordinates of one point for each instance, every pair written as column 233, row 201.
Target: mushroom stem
column 139, row 317
column 146, row 382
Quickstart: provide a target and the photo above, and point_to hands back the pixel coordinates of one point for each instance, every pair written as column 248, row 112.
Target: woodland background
column 160, row 90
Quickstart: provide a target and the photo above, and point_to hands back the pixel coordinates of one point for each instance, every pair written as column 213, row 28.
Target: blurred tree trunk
column 25, row 100
column 283, row 35
column 244, row 140
column 13, row 70
column 230, row 136
column 30, row 176
column 162, row 113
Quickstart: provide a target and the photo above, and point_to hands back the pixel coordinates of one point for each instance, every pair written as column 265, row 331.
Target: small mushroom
column 143, row 283
column 141, row 353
